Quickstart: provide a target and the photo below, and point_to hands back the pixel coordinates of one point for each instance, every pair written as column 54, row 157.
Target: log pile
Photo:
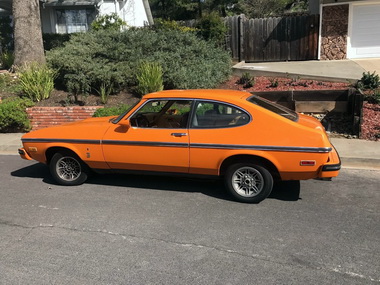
column 334, row 32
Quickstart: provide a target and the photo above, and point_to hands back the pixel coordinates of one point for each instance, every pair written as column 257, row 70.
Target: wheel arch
column 248, row 158
column 52, row 150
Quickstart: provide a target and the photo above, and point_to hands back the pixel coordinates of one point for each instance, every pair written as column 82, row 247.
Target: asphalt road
column 156, row 230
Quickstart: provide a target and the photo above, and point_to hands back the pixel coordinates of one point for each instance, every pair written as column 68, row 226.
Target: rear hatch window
column 275, row 108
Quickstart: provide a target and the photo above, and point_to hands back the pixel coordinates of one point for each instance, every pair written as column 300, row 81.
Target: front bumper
column 23, row 154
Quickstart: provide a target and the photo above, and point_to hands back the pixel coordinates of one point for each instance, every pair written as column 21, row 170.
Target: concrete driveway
column 331, row 70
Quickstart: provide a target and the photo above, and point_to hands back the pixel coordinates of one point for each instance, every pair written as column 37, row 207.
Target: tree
column 268, row 8
column 27, row 32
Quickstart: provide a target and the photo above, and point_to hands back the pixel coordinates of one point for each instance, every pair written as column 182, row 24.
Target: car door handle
column 179, row 134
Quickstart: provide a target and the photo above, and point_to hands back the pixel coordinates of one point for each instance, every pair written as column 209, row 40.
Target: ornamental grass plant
column 36, row 81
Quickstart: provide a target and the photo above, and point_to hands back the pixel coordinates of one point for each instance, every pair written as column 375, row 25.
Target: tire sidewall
column 264, row 193
column 53, row 169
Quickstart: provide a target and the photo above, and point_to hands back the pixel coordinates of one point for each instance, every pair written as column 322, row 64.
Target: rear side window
column 275, row 108
column 218, row 115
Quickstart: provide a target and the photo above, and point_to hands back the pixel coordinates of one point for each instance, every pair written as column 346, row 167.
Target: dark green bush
column 6, row 34
column 13, row 117
column 369, row 81
column 246, row 80
column 111, row 111
column 212, row 27
column 54, row 40
column 6, row 59
column 187, row 62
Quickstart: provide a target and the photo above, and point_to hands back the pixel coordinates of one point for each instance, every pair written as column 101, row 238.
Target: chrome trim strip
column 185, row 145
column 62, row 141
column 266, row 148
column 143, row 143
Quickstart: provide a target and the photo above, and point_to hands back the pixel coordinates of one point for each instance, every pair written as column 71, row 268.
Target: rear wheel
column 68, row 169
column 248, row 182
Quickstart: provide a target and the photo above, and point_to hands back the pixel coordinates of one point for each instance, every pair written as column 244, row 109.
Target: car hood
column 93, row 128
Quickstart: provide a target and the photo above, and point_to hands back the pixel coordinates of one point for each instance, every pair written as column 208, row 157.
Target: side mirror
column 125, row 123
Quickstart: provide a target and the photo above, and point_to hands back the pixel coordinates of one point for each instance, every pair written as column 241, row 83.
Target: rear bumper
column 332, row 167
column 23, row 154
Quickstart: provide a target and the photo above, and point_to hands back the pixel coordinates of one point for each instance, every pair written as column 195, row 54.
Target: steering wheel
column 141, row 121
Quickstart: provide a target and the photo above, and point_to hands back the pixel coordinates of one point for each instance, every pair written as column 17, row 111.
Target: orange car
column 243, row 138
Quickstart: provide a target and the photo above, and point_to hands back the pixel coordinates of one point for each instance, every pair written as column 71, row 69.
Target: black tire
column 68, row 169
column 248, row 182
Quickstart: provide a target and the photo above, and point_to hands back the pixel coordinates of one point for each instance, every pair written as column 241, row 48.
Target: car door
column 217, row 130
column 157, row 139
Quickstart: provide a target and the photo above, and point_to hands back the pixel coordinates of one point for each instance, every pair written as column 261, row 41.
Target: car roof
column 210, row 94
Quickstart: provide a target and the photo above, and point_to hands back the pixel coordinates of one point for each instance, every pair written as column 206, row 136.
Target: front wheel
column 248, row 182
column 68, row 169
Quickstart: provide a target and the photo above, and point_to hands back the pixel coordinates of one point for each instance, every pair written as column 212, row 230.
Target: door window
column 166, row 114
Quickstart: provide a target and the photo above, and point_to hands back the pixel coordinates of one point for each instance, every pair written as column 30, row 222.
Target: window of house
column 74, row 21
column 218, row 115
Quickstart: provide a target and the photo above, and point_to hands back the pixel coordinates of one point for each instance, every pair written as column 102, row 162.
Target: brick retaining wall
column 42, row 117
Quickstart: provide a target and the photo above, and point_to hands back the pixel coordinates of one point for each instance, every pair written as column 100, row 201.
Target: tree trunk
column 27, row 32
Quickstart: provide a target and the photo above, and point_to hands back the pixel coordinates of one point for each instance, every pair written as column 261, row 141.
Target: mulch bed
column 283, row 84
column 371, row 122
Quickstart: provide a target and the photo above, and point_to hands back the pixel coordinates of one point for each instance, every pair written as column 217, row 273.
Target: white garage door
column 365, row 31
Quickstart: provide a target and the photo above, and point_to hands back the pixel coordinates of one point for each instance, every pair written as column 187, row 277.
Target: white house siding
column 131, row 11
column 47, row 20
column 364, row 30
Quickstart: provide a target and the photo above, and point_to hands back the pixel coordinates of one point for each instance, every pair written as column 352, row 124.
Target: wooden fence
column 273, row 39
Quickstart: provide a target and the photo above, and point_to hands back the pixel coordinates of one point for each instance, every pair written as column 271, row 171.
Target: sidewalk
column 354, row 153
column 329, row 70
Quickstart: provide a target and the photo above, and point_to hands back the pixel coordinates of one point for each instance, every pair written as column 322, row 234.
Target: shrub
column 274, row 82
column 108, row 22
column 36, row 81
column 246, row 80
column 104, row 91
column 369, row 81
column 55, row 40
column 6, row 33
column 374, row 98
column 149, row 78
column 7, row 58
column 111, row 111
column 212, row 27
column 13, row 117
column 8, row 83
column 171, row 25
column 91, row 58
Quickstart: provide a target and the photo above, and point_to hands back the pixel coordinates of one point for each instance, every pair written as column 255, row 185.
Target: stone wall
column 334, row 32
column 43, row 117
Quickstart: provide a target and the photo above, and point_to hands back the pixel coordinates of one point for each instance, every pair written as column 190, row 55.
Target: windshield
column 275, row 108
column 117, row 119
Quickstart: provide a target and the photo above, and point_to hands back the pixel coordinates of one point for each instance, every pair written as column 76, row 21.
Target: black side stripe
column 263, row 147
column 144, row 143
column 185, row 145
column 62, row 141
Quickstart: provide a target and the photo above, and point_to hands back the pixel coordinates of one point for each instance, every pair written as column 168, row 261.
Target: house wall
column 334, row 31
column 47, row 24
column 131, row 11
